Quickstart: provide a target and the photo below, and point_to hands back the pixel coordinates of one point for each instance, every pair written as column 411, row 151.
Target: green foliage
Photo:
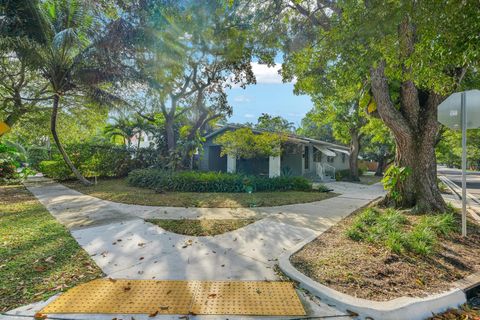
column 392, row 179
column 192, row 181
column 37, row 155
column 345, row 174
column 243, row 143
column 99, row 160
column 392, row 229
column 55, row 169
column 12, row 156
column 276, row 124
column 449, row 148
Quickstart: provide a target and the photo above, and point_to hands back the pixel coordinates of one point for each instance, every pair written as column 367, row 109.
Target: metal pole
column 464, row 164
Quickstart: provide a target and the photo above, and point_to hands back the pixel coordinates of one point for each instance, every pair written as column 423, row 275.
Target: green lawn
column 117, row 190
column 202, row 227
column 38, row 256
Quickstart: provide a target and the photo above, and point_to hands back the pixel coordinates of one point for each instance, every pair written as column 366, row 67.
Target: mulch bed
column 372, row 272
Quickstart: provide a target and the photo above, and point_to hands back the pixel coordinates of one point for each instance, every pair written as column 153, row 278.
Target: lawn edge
column 398, row 308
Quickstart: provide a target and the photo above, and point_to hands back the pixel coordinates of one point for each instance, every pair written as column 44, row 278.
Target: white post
column 231, row 163
column 273, row 167
column 464, row 164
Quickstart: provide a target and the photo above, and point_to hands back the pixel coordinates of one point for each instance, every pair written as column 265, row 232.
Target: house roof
column 290, row 136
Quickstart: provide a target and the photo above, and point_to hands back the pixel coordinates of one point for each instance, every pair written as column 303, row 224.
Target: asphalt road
column 473, row 179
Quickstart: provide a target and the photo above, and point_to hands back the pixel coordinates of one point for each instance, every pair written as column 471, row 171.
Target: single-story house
column 300, row 156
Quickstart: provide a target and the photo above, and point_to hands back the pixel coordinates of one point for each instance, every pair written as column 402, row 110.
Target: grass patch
column 204, row 227
column 118, row 190
column 392, row 229
column 382, row 254
column 38, row 256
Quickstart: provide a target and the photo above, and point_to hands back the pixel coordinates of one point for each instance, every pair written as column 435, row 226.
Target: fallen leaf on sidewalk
column 153, row 314
column 39, row 315
column 212, row 295
column 164, row 308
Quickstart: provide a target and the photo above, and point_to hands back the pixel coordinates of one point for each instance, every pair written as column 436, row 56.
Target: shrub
column 192, row 181
column 390, row 228
column 55, row 169
column 7, row 169
column 37, row 155
column 422, row 240
column 344, row 175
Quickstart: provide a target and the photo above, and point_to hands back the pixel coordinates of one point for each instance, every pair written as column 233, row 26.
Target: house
column 300, row 156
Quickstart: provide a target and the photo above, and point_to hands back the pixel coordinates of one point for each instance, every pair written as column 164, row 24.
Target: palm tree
column 125, row 128
column 71, row 49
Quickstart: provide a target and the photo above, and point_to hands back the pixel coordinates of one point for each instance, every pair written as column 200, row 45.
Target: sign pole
column 464, row 164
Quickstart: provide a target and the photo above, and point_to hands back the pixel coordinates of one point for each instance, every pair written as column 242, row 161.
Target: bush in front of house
column 95, row 160
column 55, row 169
column 193, row 181
column 344, row 175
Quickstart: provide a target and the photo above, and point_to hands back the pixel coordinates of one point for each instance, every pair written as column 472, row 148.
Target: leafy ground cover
column 204, row 227
column 38, row 256
column 384, row 254
column 119, row 191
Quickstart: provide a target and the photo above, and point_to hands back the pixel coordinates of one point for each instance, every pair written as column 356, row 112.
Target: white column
column 231, row 164
column 273, row 167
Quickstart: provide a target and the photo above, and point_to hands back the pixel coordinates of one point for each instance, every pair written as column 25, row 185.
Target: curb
column 396, row 309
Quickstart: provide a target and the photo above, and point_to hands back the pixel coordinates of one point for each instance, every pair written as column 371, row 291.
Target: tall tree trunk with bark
column 380, row 166
column 353, row 158
column 415, row 128
column 53, row 128
column 170, row 133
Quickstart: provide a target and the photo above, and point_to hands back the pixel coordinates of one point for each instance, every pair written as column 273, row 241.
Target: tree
column 21, row 90
column 243, row 143
column 270, row 123
column 70, row 47
column 413, row 54
column 311, row 127
column 188, row 60
column 449, row 148
column 378, row 144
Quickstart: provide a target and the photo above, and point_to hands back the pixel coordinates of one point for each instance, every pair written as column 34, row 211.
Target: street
column 455, row 175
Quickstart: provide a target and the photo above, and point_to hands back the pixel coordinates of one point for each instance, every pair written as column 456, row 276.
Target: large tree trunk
column 170, row 133
column 415, row 128
column 354, row 151
column 380, row 166
column 53, row 128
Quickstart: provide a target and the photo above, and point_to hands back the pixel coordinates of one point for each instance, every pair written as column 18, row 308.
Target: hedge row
column 105, row 160
column 193, row 181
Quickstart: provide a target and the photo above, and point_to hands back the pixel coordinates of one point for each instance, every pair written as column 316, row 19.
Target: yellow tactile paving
column 126, row 296
column 270, row 298
column 274, row 298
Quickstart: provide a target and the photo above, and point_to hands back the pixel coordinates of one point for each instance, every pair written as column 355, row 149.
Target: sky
column 270, row 95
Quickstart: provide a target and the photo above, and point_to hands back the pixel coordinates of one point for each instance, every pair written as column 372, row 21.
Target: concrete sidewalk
column 125, row 246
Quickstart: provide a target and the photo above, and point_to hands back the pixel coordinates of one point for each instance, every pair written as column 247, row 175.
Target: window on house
column 343, row 157
column 330, row 159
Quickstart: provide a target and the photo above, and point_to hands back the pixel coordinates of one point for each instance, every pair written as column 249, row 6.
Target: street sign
column 461, row 110
column 449, row 111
